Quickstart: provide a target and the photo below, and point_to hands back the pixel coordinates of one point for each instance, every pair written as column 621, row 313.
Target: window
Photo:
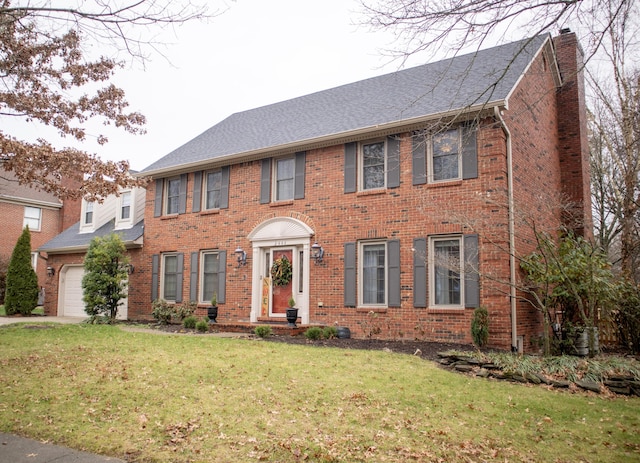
column 210, row 276
column 88, row 213
column 125, row 205
column 284, row 179
column 373, row 271
column 445, row 159
column 34, row 260
column 32, row 217
column 446, row 271
column 172, row 195
column 213, row 189
column 170, row 272
column 373, row 165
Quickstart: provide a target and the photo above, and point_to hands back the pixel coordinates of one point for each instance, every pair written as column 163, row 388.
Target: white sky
column 258, row 52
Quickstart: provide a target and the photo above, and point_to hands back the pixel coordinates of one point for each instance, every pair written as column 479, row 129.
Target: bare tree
column 48, row 78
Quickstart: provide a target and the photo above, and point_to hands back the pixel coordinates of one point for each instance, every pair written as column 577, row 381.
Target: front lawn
column 152, row 398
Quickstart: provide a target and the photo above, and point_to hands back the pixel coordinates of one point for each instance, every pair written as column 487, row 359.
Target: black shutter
column 393, row 161
column 393, row 247
column 350, row 174
column 182, row 205
column 222, row 276
column 197, row 191
column 224, row 188
column 420, row 272
column 469, row 152
column 299, row 178
column 155, row 268
column 157, row 207
column 193, row 281
column 419, row 158
column 350, row 274
column 179, row 276
column 471, row 277
column 265, row 182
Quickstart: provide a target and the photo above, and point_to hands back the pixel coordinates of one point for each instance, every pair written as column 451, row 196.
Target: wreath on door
column 281, row 271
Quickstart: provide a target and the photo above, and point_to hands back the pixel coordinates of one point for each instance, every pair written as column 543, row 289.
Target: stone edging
column 617, row 384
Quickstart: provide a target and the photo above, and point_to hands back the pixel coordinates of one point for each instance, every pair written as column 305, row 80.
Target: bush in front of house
column 162, row 311
column 480, row 326
column 314, row 333
column 202, row 326
column 263, row 331
column 190, row 322
column 22, row 282
column 330, row 332
column 184, row 310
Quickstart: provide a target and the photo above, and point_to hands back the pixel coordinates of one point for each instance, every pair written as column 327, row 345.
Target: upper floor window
column 32, row 218
column 373, row 162
column 125, row 205
column 88, row 213
column 213, row 189
column 172, row 195
column 284, row 179
column 446, row 270
column 445, row 155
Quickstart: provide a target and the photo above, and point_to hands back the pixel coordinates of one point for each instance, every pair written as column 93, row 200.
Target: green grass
column 149, row 398
column 37, row 311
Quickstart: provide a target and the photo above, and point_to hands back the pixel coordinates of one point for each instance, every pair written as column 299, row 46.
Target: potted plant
column 292, row 313
column 212, row 311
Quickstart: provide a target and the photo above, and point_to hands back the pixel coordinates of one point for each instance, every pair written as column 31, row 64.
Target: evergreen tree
column 22, row 281
column 104, row 283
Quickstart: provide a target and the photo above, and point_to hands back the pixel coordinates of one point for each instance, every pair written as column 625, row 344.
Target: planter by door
column 292, row 317
column 212, row 313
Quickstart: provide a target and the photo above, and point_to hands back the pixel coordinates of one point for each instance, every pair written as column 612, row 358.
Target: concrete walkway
column 37, row 319
column 14, row 449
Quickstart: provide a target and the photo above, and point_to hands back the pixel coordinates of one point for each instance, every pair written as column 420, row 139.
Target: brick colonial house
column 44, row 213
column 393, row 178
column 123, row 215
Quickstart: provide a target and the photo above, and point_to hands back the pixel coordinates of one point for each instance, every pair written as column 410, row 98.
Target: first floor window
column 210, row 276
column 172, row 196
column 34, row 260
column 373, row 165
column 32, row 218
column 169, row 277
column 446, row 271
column 285, row 178
column 374, row 274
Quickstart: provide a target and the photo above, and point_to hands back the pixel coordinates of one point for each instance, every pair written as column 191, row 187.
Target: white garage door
column 71, row 304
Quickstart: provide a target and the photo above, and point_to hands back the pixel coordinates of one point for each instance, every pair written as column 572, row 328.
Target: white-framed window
column 209, row 275
column 87, row 216
column 284, row 179
column 212, row 189
column 172, row 195
column 373, row 165
column 373, row 274
column 169, row 283
column 446, row 270
column 32, row 218
column 125, row 206
column 445, row 160
column 34, row 260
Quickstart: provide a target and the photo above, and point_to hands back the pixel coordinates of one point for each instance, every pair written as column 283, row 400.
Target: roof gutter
column 512, row 241
column 325, row 140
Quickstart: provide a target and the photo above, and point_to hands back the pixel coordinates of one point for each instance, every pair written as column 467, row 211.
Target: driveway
column 10, row 320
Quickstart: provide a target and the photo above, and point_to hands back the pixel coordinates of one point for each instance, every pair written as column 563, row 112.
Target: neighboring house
column 393, row 177
column 44, row 213
column 123, row 215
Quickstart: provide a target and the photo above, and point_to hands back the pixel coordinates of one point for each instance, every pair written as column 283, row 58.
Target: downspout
column 512, row 241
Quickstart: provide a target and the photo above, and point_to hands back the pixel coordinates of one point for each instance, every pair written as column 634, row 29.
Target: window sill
column 169, row 217
column 372, row 309
column 443, row 310
column 445, row 183
column 209, row 212
column 381, row 191
column 289, row 202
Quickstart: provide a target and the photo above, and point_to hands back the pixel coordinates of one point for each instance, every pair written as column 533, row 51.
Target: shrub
column 189, row 322
column 330, row 332
column 184, row 310
column 263, row 331
column 314, row 333
column 22, row 281
column 480, row 326
column 162, row 311
column 202, row 326
column 627, row 316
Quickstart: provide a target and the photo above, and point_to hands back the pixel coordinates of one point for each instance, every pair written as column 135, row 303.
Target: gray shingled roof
column 72, row 240
column 485, row 77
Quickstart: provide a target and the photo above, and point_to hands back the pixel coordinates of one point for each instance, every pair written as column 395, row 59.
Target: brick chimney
column 572, row 130
column 70, row 207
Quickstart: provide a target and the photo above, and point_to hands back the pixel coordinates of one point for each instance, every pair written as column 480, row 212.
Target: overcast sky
column 256, row 53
